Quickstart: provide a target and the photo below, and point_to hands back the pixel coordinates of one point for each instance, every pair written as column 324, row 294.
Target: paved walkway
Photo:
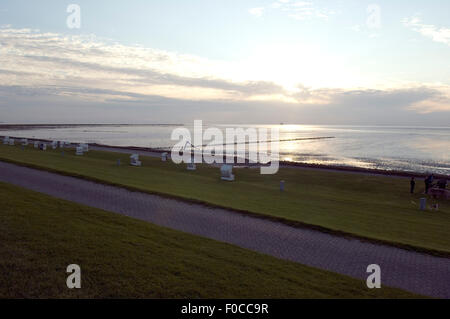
column 408, row 270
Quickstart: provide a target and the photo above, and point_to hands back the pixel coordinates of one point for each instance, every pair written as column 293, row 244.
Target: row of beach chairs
column 225, row 170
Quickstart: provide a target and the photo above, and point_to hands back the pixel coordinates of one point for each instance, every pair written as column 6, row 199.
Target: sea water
column 417, row 149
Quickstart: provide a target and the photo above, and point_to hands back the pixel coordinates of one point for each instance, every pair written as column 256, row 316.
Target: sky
column 350, row 62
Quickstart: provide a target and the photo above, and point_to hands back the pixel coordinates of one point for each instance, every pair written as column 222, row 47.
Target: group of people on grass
column 442, row 183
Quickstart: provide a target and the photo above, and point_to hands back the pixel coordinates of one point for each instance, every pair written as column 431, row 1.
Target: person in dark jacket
column 427, row 184
column 412, row 183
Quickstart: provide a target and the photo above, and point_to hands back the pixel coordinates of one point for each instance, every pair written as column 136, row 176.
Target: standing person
column 412, row 183
column 427, row 184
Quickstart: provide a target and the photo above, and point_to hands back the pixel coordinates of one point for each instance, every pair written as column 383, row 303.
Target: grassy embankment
column 374, row 207
column 123, row 257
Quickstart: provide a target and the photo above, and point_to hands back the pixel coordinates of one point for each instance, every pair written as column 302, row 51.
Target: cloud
column 356, row 28
column 82, row 78
column 437, row 34
column 373, row 107
column 54, row 59
column 258, row 12
column 439, row 101
column 152, row 77
column 299, row 10
column 419, row 98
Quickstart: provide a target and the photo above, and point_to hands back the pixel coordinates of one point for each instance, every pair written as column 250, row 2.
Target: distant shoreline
column 6, row 127
column 349, row 169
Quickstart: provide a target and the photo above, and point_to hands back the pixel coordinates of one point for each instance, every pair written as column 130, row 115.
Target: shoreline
column 13, row 127
column 348, row 169
column 148, row 151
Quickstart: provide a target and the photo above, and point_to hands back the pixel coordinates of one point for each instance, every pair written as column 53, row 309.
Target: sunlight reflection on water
column 419, row 149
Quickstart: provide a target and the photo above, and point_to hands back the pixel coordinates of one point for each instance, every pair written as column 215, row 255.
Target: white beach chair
column 36, row 144
column 164, row 156
column 24, row 142
column 6, row 140
column 43, row 146
column 11, row 141
column 54, row 145
column 79, row 151
column 85, row 147
column 63, row 144
column 226, row 172
column 134, row 160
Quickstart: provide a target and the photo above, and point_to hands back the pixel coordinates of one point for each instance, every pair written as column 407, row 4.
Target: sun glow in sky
column 317, row 61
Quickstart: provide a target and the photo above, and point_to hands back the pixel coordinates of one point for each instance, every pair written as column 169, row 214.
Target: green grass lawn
column 123, row 257
column 375, row 207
